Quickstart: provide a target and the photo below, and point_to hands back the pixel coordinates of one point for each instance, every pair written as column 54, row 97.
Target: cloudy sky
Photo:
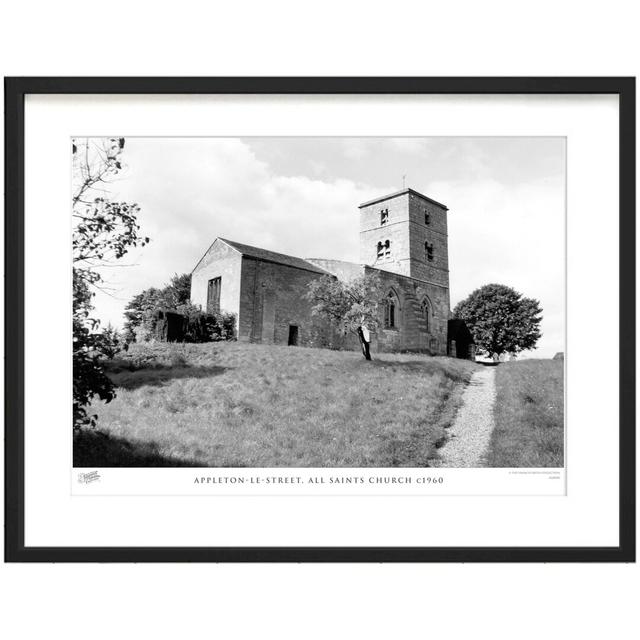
column 506, row 199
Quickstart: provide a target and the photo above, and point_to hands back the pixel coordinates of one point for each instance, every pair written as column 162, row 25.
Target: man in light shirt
column 365, row 338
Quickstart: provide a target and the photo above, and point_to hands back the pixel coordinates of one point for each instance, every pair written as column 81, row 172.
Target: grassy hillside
column 529, row 415
column 231, row 404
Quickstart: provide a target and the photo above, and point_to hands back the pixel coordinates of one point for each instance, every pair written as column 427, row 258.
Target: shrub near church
column 501, row 320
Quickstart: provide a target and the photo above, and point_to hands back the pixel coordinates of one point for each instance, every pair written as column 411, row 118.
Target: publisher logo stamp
column 87, row 478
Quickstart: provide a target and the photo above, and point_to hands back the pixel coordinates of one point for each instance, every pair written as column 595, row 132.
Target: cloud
column 510, row 235
column 506, row 201
column 192, row 191
column 355, row 148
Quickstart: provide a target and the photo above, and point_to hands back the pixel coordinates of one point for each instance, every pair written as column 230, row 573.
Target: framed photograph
column 320, row 319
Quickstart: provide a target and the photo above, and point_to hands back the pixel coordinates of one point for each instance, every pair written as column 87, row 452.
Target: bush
column 190, row 324
column 209, row 327
column 109, row 342
column 142, row 334
column 141, row 310
column 220, row 326
column 89, row 379
column 148, row 356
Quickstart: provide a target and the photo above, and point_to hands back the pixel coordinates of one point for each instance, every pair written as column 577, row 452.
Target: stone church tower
column 406, row 233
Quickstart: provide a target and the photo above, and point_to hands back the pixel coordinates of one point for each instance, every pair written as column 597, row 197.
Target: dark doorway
column 213, row 295
column 293, row 335
column 458, row 331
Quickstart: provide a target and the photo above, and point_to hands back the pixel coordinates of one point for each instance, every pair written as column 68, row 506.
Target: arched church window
column 384, row 249
column 384, row 216
column 390, row 311
column 426, row 313
column 427, row 217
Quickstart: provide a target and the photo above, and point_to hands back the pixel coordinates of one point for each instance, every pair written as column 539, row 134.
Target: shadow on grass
column 159, row 375
column 398, row 364
column 421, row 367
column 98, row 449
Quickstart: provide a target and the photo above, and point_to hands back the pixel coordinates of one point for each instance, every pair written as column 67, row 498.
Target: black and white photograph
column 389, row 324
column 320, row 321
column 318, row 302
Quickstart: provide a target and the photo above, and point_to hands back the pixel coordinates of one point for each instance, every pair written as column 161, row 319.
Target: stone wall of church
column 272, row 300
column 269, row 299
column 410, row 332
column 434, row 232
column 395, row 230
column 407, row 229
column 220, row 261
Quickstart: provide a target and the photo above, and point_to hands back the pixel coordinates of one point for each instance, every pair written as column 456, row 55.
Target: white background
column 462, row 38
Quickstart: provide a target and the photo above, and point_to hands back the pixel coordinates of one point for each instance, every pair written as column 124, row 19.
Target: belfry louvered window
column 428, row 251
column 383, row 249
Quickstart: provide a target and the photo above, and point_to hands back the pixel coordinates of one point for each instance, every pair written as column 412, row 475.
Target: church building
column 403, row 238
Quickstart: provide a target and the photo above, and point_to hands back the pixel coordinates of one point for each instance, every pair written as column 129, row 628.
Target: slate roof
column 272, row 256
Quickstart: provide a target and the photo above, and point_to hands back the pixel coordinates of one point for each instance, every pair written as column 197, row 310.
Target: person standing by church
column 365, row 338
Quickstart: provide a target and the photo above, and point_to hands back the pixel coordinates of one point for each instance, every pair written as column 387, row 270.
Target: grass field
column 237, row 405
column 529, row 415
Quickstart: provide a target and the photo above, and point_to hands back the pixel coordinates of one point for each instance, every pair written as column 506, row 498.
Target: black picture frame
column 15, row 91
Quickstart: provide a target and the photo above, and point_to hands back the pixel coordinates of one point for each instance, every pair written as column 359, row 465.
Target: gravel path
column 470, row 433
